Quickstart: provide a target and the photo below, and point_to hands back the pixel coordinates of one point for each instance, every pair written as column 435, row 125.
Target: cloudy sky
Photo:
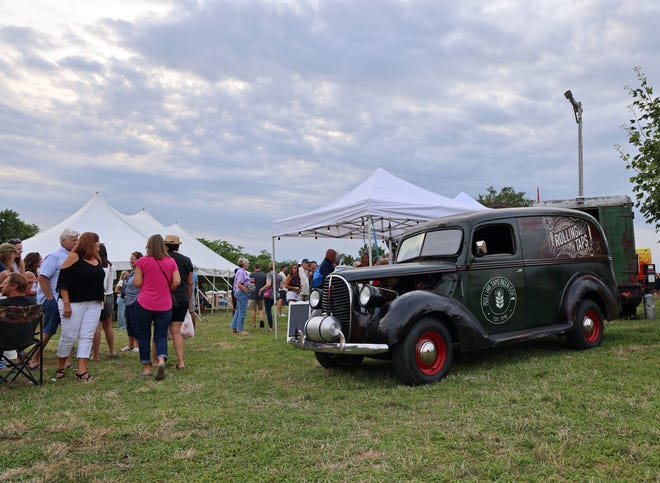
column 227, row 115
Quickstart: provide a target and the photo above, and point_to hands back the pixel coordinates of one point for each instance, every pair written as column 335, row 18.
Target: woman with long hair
column 292, row 285
column 8, row 254
column 80, row 285
column 240, row 291
column 157, row 276
column 108, row 307
column 18, row 263
column 32, row 264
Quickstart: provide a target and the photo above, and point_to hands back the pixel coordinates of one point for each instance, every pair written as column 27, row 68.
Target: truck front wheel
column 425, row 354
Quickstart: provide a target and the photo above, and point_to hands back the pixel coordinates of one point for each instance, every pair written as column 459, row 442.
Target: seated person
column 13, row 289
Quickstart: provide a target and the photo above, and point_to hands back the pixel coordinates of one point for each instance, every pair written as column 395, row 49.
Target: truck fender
column 412, row 306
column 577, row 289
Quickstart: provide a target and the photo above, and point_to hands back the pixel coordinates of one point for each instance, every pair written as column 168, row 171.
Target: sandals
column 60, row 374
column 85, row 376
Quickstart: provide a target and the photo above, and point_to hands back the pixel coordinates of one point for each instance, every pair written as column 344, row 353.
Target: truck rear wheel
column 334, row 361
column 589, row 326
column 425, row 354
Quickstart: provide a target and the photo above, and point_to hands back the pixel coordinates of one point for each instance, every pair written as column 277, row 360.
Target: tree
column 506, row 198
column 224, row 249
column 644, row 135
column 11, row 226
column 376, row 251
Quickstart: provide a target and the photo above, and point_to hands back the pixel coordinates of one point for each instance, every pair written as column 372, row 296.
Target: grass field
column 253, row 409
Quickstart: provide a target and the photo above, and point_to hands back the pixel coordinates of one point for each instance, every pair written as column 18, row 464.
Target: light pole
column 577, row 110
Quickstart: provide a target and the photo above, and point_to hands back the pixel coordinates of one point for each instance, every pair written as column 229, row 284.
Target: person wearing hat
column 304, row 280
column 8, row 254
column 182, row 294
column 19, row 263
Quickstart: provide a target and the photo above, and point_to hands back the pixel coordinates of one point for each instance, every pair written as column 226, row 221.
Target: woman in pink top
column 156, row 274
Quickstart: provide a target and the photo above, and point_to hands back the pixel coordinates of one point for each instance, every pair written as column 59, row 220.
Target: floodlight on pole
column 577, row 110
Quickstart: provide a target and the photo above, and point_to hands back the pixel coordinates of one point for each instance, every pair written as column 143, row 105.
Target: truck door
column 495, row 279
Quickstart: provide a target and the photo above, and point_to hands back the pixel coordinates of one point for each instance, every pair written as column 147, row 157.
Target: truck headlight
column 370, row 296
column 315, row 299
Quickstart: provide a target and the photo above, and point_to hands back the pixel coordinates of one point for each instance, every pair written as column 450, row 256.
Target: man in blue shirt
column 326, row 268
column 47, row 292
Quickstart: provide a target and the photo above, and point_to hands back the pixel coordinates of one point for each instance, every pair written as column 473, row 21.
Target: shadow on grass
column 379, row 372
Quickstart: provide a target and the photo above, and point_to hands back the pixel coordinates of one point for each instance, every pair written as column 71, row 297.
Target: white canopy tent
column 383, row 204
column 124, row 234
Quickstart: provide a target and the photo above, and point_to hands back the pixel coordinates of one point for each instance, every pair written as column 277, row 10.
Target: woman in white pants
column 80, row 286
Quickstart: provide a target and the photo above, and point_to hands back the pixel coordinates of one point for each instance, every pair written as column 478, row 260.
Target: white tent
column 123, row 234
column 383, row 204
column 466, row 199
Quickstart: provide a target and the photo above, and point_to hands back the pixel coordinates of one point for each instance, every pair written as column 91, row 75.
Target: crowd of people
column 74, row 286
column 253, row 291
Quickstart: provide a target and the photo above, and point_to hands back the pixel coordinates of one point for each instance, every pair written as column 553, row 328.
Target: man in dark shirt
column 255, row 296
column 182, row 294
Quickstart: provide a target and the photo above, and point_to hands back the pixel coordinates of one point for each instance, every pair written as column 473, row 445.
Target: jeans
column 161, row 320
column 121, row 313
column 238, row 321
column 130, row 311
column 268, row 303
column 51, row 316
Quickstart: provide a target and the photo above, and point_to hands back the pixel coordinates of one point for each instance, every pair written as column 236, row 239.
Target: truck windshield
column 431, row 244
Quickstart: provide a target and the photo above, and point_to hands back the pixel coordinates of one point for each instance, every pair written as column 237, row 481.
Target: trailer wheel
column 589, row 326
column 335, row 361
column 425, row 354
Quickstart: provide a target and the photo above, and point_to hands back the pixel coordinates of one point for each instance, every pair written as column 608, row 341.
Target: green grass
column 254, row 409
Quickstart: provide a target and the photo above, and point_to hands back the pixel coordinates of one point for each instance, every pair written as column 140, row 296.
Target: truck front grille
column 338, row 300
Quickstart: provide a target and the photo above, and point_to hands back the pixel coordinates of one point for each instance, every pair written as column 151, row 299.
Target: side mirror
column 481, row 248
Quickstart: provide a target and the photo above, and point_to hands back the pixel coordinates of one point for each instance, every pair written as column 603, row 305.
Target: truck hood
column 398, row 270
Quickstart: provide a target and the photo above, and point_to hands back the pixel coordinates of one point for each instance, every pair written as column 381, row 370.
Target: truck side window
column 498, row 239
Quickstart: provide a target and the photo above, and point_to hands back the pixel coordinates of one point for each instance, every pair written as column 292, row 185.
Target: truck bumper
column 337, row 348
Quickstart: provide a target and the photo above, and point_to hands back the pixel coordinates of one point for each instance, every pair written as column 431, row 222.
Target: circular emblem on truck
column 498, row 300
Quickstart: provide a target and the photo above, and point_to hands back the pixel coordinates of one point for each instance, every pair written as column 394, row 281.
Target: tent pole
column 369, row 235
column 275, row 290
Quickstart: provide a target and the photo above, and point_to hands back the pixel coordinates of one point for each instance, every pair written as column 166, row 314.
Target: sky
column 227, row 115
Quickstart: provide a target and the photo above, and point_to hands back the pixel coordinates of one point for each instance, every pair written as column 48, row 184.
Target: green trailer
column 615, row 214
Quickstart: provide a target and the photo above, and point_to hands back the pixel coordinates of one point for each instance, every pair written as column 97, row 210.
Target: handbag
column 187, row 327
column 175, row 303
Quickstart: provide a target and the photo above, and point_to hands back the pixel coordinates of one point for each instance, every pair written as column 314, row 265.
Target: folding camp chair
column 21, row 330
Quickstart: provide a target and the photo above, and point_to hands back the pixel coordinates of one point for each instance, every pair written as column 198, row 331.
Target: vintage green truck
column 615, row 215
column 466, row 282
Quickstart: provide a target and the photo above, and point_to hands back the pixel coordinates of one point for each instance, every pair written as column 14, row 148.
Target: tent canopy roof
column 389, row 204
column 124, row 234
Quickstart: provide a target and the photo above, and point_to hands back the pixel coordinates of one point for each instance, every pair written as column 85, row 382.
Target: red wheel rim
column 430, row 353
column 591, row 330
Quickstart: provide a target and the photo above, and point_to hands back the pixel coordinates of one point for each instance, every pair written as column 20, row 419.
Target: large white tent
column 383, row 204
column 124, row 234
